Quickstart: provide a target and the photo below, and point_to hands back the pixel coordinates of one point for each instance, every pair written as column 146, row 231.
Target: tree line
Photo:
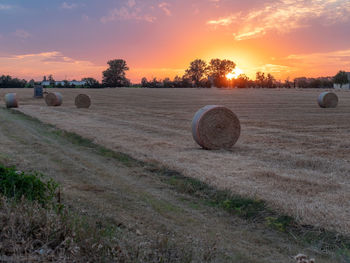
column 202, row 75
column 199, row 74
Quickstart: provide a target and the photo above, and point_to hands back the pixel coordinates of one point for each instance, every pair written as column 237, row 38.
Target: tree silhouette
column 114, row 76
column 218, row 69
column 197, row 71
column 52, row 81
column 341, row 78
column 91, row 82
column 241, row 82
column 270, row 81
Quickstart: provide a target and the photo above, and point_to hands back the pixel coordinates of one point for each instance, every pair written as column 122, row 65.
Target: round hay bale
column 11, row 100
column 328, row 100
column 38, row 91
column 53, row 99
column 82, row 101
column 215, row 127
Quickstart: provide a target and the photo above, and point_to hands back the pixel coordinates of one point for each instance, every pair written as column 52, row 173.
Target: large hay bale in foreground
column 11, row 100
column 215, row 127
column 328, row 100
column 54, row 99
column 82, row 101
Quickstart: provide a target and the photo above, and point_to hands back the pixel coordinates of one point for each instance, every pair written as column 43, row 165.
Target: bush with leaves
column 15, row 184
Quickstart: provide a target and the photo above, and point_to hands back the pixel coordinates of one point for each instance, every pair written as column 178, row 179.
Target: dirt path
column 137, row 199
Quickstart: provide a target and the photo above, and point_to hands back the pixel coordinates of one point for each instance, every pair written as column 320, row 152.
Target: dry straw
column 328, row 100
column 82, row 101
column 215, row 127
column 11, row 100
column 53, row 99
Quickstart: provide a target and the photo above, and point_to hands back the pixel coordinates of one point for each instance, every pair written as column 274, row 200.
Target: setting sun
column 230, row 76
column 234, row 74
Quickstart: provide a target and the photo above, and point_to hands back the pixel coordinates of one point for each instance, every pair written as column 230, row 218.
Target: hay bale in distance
column 82, row 101
column 328, row 100
column 53, row 99
column 11, row 100
column 38, row 91
column 215, row 127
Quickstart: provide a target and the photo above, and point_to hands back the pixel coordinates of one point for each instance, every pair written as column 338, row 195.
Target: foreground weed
column 280, row 223
column 31, row 233
column 15, row 184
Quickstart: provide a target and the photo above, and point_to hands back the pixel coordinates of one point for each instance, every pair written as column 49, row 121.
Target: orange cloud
column 278, row 71
column 225, row 21
column 36, row 65
column 321, row 63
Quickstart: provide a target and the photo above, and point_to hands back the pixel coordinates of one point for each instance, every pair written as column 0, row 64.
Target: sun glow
column 234, row 74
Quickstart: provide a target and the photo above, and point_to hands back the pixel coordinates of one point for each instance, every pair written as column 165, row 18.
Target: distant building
column 62, row 83
column 344, row 86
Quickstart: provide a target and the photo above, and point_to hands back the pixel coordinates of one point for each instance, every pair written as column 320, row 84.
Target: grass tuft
column 15, row 184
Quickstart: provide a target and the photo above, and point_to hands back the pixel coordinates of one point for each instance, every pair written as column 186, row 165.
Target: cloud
column 131, row 3
column 85, row 17
column 38, row 64
column 275, row 69
column 215, row 2
column 284, row 16
column 20, row 33
column 66, row 5
column 333, row 59
column 225, row 21
column 309, row 65
column 259, row 31
column 5, row 7
column 130, row 11
column 165, row 7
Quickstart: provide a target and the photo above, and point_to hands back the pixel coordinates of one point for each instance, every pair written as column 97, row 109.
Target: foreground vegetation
column 36, row 226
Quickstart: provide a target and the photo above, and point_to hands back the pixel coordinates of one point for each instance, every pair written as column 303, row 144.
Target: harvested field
column 291, row 153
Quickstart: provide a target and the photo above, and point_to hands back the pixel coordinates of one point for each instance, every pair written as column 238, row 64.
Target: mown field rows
column 291, row 153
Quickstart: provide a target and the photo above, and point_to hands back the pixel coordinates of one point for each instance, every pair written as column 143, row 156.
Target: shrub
column 15, row 184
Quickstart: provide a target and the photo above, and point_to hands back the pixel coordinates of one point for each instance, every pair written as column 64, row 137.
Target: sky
column 159, row 38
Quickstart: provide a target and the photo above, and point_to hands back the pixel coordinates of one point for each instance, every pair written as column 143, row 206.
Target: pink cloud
column 20, row 33
column 165, row 7
column 128, row 12
column 284, row 16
